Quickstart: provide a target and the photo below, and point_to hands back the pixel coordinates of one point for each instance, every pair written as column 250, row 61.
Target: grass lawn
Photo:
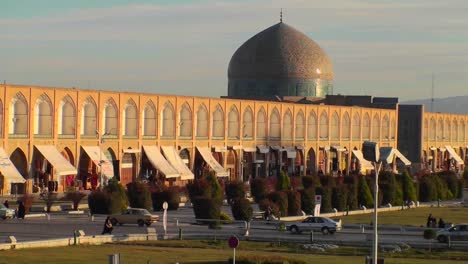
column 412, row 217
column 212, row 252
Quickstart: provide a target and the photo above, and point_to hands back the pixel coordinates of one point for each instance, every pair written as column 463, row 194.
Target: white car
column 456, row 232
column 137, row 216
column 6, row 212
column 315, row 223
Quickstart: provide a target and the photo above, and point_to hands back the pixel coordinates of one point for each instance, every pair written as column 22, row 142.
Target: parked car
column 137, row 216
column 6, row 212
column 456, row 232
column 315, row 223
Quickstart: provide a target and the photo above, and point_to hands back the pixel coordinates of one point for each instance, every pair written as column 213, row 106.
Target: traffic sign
column 233, row 241
column 318, row 199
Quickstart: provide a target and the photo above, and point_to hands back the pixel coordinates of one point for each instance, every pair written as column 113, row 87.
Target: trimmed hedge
column 308, row 200
column 170, row 195
column 234, row 190
column 294, row 203
column 364, row 193
column 352, row 200
column 139, row 195
column 242, row 209
column 339, row 197
column 258, row 189
column 118, row 197
column 283, row 183
column 281, row 200
column 326, row 206
column 99, row 202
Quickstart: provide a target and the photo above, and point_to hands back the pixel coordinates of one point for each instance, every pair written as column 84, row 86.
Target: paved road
column 62, row 225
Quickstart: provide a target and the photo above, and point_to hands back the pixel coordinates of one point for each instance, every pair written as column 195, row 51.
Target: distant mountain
column 456, row 105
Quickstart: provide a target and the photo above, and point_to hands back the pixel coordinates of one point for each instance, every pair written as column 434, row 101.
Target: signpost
column 165, row 206
column 233, row 242
column 318, row 203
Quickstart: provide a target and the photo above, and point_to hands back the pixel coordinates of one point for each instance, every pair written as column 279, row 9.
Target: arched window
column 67, row 117
column 312, row 126
column 300, row 125
column 19, row 116
column 150, row 120
column 247, row 123
column 461, row 133
column 433, row 129
column 455, row 130
column 376, row 128
column 425, row 129
column 393, row 128
column 275, row 125
column 324, row 125
column 287, row 125
column 185, row 121
column 110, row 118
column 386, row 128
column 366, row 127
column 89, row 118
column 440, row 129
column 233, row 123
column 261, row 124
column 345, row 127
column 335, row 126
column 130, row 117
column 202, row 122
column 447, row 129
column 43, row 116
column 167, row 128
column 218, row 122
column 356, row 127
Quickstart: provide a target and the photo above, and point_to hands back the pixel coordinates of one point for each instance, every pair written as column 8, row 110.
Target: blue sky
column 380, row 48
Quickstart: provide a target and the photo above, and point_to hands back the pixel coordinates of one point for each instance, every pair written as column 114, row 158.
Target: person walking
column 21, row 210
column 441, row 223
column 429, row 220
column 107, row 227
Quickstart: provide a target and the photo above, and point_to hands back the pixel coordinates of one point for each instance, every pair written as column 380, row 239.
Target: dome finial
column 281, row 15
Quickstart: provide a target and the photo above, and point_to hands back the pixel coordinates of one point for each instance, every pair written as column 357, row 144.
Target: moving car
column 456, row 232
column 137, row 216
column 6, row 212
column 315, row 223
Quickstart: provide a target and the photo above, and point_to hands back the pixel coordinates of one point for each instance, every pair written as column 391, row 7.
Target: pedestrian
column 441, row 223
column 6, row 204
column 21, row 210
column 107, row 227
column 434, row 222
column 429, row 221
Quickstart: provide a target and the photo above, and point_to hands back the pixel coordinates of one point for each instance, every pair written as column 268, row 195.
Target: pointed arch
column 218, row 122
column 393, row 128
column 287, row 125
column 447, row 130
column 167, row 120
column 110, row 118
column 455, row 130
column 366, row 127
column 275, row 125
column 324, row 125
column 346, row 127
column 461, row 131
column 335, row 126
column 66, row 117
column 247, row 123
column 300, row 125
column 376, row 128
column 130, row 119
column 356, row 127
column 433, row 129
column 385, row 128
column 89, row 118
column 233, row 123
column 150, row 120
column 261, row 124
column 19, row 116
column 312, row 126
column 202, row 122
column 185, row 121
column 440, row 129
column 1, row 119
column 43, row 112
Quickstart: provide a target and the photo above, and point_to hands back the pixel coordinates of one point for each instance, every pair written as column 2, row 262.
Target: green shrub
column 170, row 195
column 326, row 206
column 310, row 181
column 234, row 190
column 364, row 194
column 451, row 181
column 281, row 200
column 398, row 194
column 263, row 205
column 118, row 197
column 225, row 217
column 198, row 188
column 258, row 189
column 99, row 202
column 327, row 181
column 139, row 195
column 242, row 209
column 216, row 191
column 388, row 186
column 339, row 197
column 283, row 183
column 408, row 187
column 206, row 208
column 465, row 177
column 352, row 198
column 294, row 203
column 427, row 189
column 75, row 197
column 308, row 200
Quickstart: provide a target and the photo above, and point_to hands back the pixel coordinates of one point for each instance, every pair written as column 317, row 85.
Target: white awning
column 208, row 157
column 248, row 149
column 326, row 148
column 442, row 149
column 263, row 149
column 432, row 148
column 387, row 154
column 8, row 169
column 60, row 164
column 131, row 151
column 365, row 164
column 159, row 162
column 176, row 161
column 290, row 152
column 401, row 157
column 100, row 159
column 454, row 155
column 300, row 147
column 276, row 148
column 220, row 148
column 237, row 147
column 338, row 148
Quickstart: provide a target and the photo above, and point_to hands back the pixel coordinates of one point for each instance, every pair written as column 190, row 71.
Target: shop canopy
column 365, row 164
column 159, row 162
column 100, row 159
column 61, row 165
column 290, row 152
column 176, row 161
column 401, row 157
column 453, row 154
column 8, row 169
column 212, row 162
column 263, row 149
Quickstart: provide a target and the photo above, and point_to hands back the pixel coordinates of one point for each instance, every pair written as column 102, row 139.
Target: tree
column 325, row 192
column 352, row 199
column 294, row 203
column 280, row 198
column 408, row 187
column 364, row 194
column 258, row 189
column 139, row 195
column 388, row 186
column 234, row 191
column 308, row 200
column 283, row 183
column 242, row 210
column 118, row 197
column 99, row 202
column 339, row 197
